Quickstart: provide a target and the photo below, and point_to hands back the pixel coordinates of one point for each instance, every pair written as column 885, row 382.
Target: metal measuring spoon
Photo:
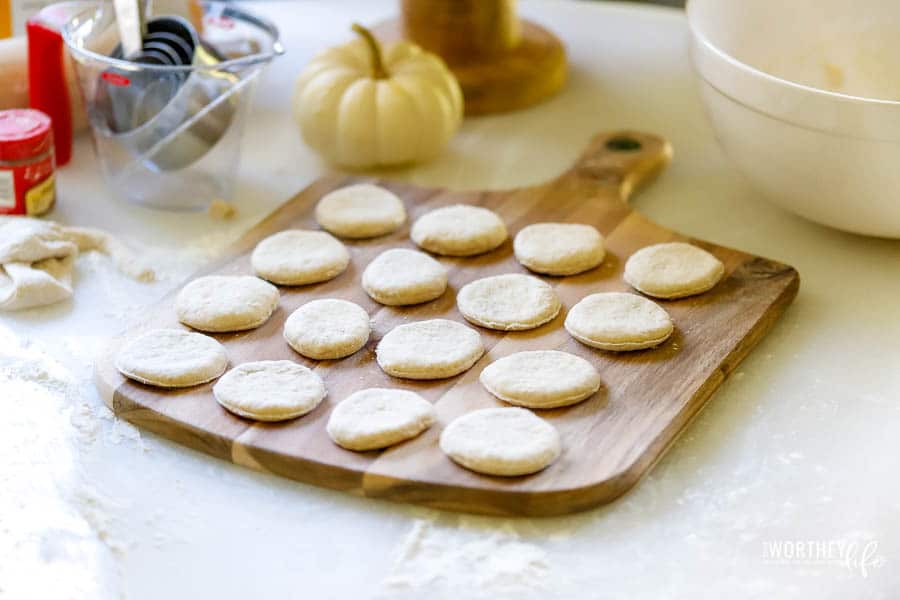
column 131, row 98
column 169, row 119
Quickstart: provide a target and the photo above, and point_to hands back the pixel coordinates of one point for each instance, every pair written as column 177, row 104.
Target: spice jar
column 27, row 183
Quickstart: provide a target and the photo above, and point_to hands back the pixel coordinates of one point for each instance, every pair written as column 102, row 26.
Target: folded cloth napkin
column 37, row 257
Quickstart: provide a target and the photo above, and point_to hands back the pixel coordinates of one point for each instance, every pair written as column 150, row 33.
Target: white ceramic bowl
column 805, row 98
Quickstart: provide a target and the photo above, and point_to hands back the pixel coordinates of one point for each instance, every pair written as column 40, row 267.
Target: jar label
column 40, row 198
column 7, row 190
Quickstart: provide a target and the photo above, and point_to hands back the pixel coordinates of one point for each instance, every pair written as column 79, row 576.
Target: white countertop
column 798, row 452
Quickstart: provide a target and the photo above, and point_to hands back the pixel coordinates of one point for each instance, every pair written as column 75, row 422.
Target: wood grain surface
column 609, row 441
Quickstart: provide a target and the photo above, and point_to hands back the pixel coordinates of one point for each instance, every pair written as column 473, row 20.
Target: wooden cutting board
column 609, row 441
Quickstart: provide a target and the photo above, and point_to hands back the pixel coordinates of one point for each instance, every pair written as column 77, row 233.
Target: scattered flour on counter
column 55, row 529
column 88, row 422
column 467, row 561
column 97, row 278
column 100, row 510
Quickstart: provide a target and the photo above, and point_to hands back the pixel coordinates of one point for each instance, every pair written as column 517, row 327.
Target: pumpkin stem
column 378, row 70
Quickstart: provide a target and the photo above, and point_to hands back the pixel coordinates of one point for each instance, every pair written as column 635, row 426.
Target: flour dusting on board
column 466, row 561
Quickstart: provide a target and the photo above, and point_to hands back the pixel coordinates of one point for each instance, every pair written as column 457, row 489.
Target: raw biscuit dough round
column 299, row 257
column 327, row 329
column 509, row 302
column 673, row 270
column 379, row 417
column 501, row 441
column 360, row 211
column 541, row 379
column 619, row 321
column 172, row 358
column 559, row 248
column 398, row 277
column 459, row 230
column 269, row 390
column 432, row 349
column 226, row 303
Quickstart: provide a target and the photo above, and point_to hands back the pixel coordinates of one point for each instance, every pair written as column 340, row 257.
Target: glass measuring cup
column 169, row 135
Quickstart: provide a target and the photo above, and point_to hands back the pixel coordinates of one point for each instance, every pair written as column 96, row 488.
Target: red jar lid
column 24, row 133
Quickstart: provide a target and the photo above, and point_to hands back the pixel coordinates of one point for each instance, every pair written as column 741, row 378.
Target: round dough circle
column 360, row 211
column 559, row 248
column 172, row 358
column 432, row 349
column 673, row 270
column 379, row 417
column 508, row 302
column 398, row 277
column 226, row 303
column 269, row 390
column 501, row 441
column 459, row 230
column 327, row 329
column 299, row 257
column 541, row 379
column 619, row 321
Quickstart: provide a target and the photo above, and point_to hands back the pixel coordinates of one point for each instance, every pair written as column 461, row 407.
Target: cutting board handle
column 621, row 160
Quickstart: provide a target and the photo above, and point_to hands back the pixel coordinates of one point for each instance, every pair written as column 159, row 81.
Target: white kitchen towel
column 37, row 257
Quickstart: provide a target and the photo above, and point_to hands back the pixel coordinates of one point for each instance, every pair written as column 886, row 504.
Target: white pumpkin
column 361, row 107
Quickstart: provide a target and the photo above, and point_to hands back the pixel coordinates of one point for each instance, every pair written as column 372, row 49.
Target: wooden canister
column 502, row 62
column 459, row 30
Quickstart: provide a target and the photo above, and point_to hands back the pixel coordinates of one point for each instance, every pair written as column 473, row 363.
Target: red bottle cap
column 24, row 133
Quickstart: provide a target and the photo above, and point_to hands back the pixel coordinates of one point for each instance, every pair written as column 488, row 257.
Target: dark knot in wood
column 762, row 268
column 601, row 171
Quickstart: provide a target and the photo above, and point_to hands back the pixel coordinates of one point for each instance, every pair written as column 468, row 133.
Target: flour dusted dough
column 508, row 302
column 226, row 303
column 619, row 321
column 379, row 417
column 501, row 441
column 432, row 349
column 269, row 390
column 541, row 379
column 172, row 358
column 398, row 277
column 25, row 285
column 559, row 248
column 459, row 230
column 360, row 211
column 37, row 258
column 299, row 257
column 673, row 270
column 327, row 329
column 28, row 240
